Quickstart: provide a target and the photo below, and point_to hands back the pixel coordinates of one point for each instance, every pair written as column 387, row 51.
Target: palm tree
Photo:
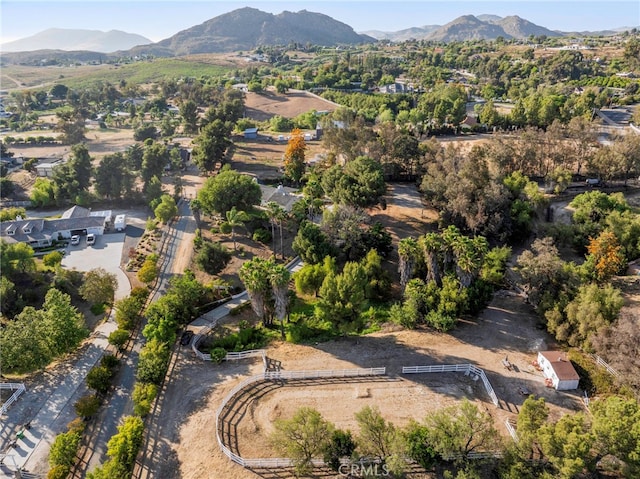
column 408, row 251
column 235, row 218
column 450, row 236
column 252, row 274
column 273, row 212
column 277, row 215
column 279, row 278
column 432, row 246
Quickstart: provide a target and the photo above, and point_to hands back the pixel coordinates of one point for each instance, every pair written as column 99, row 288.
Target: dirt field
column 267, row 104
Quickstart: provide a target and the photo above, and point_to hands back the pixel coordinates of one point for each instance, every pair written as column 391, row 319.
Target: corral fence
column 282, row 375
column 511, row 428
column 17, row 388
column 467, row 369
column 602, row 363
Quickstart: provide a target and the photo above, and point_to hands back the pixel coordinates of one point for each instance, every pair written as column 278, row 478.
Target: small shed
column 558, row 370
column 251, row 133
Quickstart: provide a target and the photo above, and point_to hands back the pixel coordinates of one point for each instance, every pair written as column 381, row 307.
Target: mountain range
column 469, row 27
column 71, row 39
column 247, row 28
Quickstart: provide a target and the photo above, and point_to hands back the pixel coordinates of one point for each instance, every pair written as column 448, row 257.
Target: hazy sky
column 159, row 19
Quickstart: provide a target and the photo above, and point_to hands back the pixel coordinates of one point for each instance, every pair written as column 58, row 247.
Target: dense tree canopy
column 228, row 189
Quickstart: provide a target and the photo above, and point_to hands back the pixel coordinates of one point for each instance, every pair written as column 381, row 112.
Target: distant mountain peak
column 75, row 40
column 247, row 28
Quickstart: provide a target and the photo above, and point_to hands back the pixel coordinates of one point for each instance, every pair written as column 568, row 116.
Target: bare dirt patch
column 269, row 103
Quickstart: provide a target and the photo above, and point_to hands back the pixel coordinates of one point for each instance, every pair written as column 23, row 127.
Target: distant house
column 45, row 169
column 251, row 133
column 39, row 233
column 558, row 370
column 284, row 196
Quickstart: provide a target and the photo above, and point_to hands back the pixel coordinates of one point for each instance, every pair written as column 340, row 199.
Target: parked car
column 75, row 239
column 91, row 239
column 185, row 339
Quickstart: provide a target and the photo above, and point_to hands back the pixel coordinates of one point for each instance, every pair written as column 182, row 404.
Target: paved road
column 32, row 451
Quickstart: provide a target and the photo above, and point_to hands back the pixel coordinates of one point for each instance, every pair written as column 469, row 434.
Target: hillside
column 76, row 40
column 248, row 28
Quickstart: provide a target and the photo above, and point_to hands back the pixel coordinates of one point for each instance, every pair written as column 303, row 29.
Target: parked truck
column 120, row 222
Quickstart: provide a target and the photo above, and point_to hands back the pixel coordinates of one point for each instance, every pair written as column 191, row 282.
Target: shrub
column 109, row 361
column 99, row 378
column 64, row 449
column 218, row 355
column 143, row 396
column 119, row 338
column 59, row 471
column 87, row 405
column 262, row 235
column 212, row 257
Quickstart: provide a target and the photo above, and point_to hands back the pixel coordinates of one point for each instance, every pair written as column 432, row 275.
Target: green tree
column 616, row 427
column 341, row 445
column 119, row 338
column 359, row 183
column 99, row 378
column 266, row 284
column 376, row 435
column 532, row 416
column 11, row 213
column 143, row 397
column 418, row 446
column 409, row 253
column 64, row 449
column 311, row 244
column 42, row 192
column 301, row 438
column 309, row 278
column 154, row 160
column 87, row 405
column 167, row 209
column 567, row 444
column 459, row 430
column 189, row 114
column 228, row 189
column 235, row 219
column 113, row 180
column 73, row 177
column 343, row 297
column 99, row 286
column 52, row 260
column 123, row 447
column 154, row 358
column 592, row 310
column 8, row 296
column 211, row 145
column 16, row 257
column 276, row 215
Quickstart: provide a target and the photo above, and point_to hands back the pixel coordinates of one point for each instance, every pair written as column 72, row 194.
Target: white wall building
column 557, row 368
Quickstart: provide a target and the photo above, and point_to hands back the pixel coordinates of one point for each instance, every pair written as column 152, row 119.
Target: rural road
column 119, row 404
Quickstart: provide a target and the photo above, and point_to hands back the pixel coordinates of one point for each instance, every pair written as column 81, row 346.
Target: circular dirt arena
column 399, row 399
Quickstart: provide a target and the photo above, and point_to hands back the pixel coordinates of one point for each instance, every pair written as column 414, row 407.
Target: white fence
column 511, row 429
column 601, row 362
column 274, row 375
column 455, row 368
column 18, row 389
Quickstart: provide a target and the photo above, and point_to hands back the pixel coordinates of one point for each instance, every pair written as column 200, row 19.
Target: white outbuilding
column 558, row 370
